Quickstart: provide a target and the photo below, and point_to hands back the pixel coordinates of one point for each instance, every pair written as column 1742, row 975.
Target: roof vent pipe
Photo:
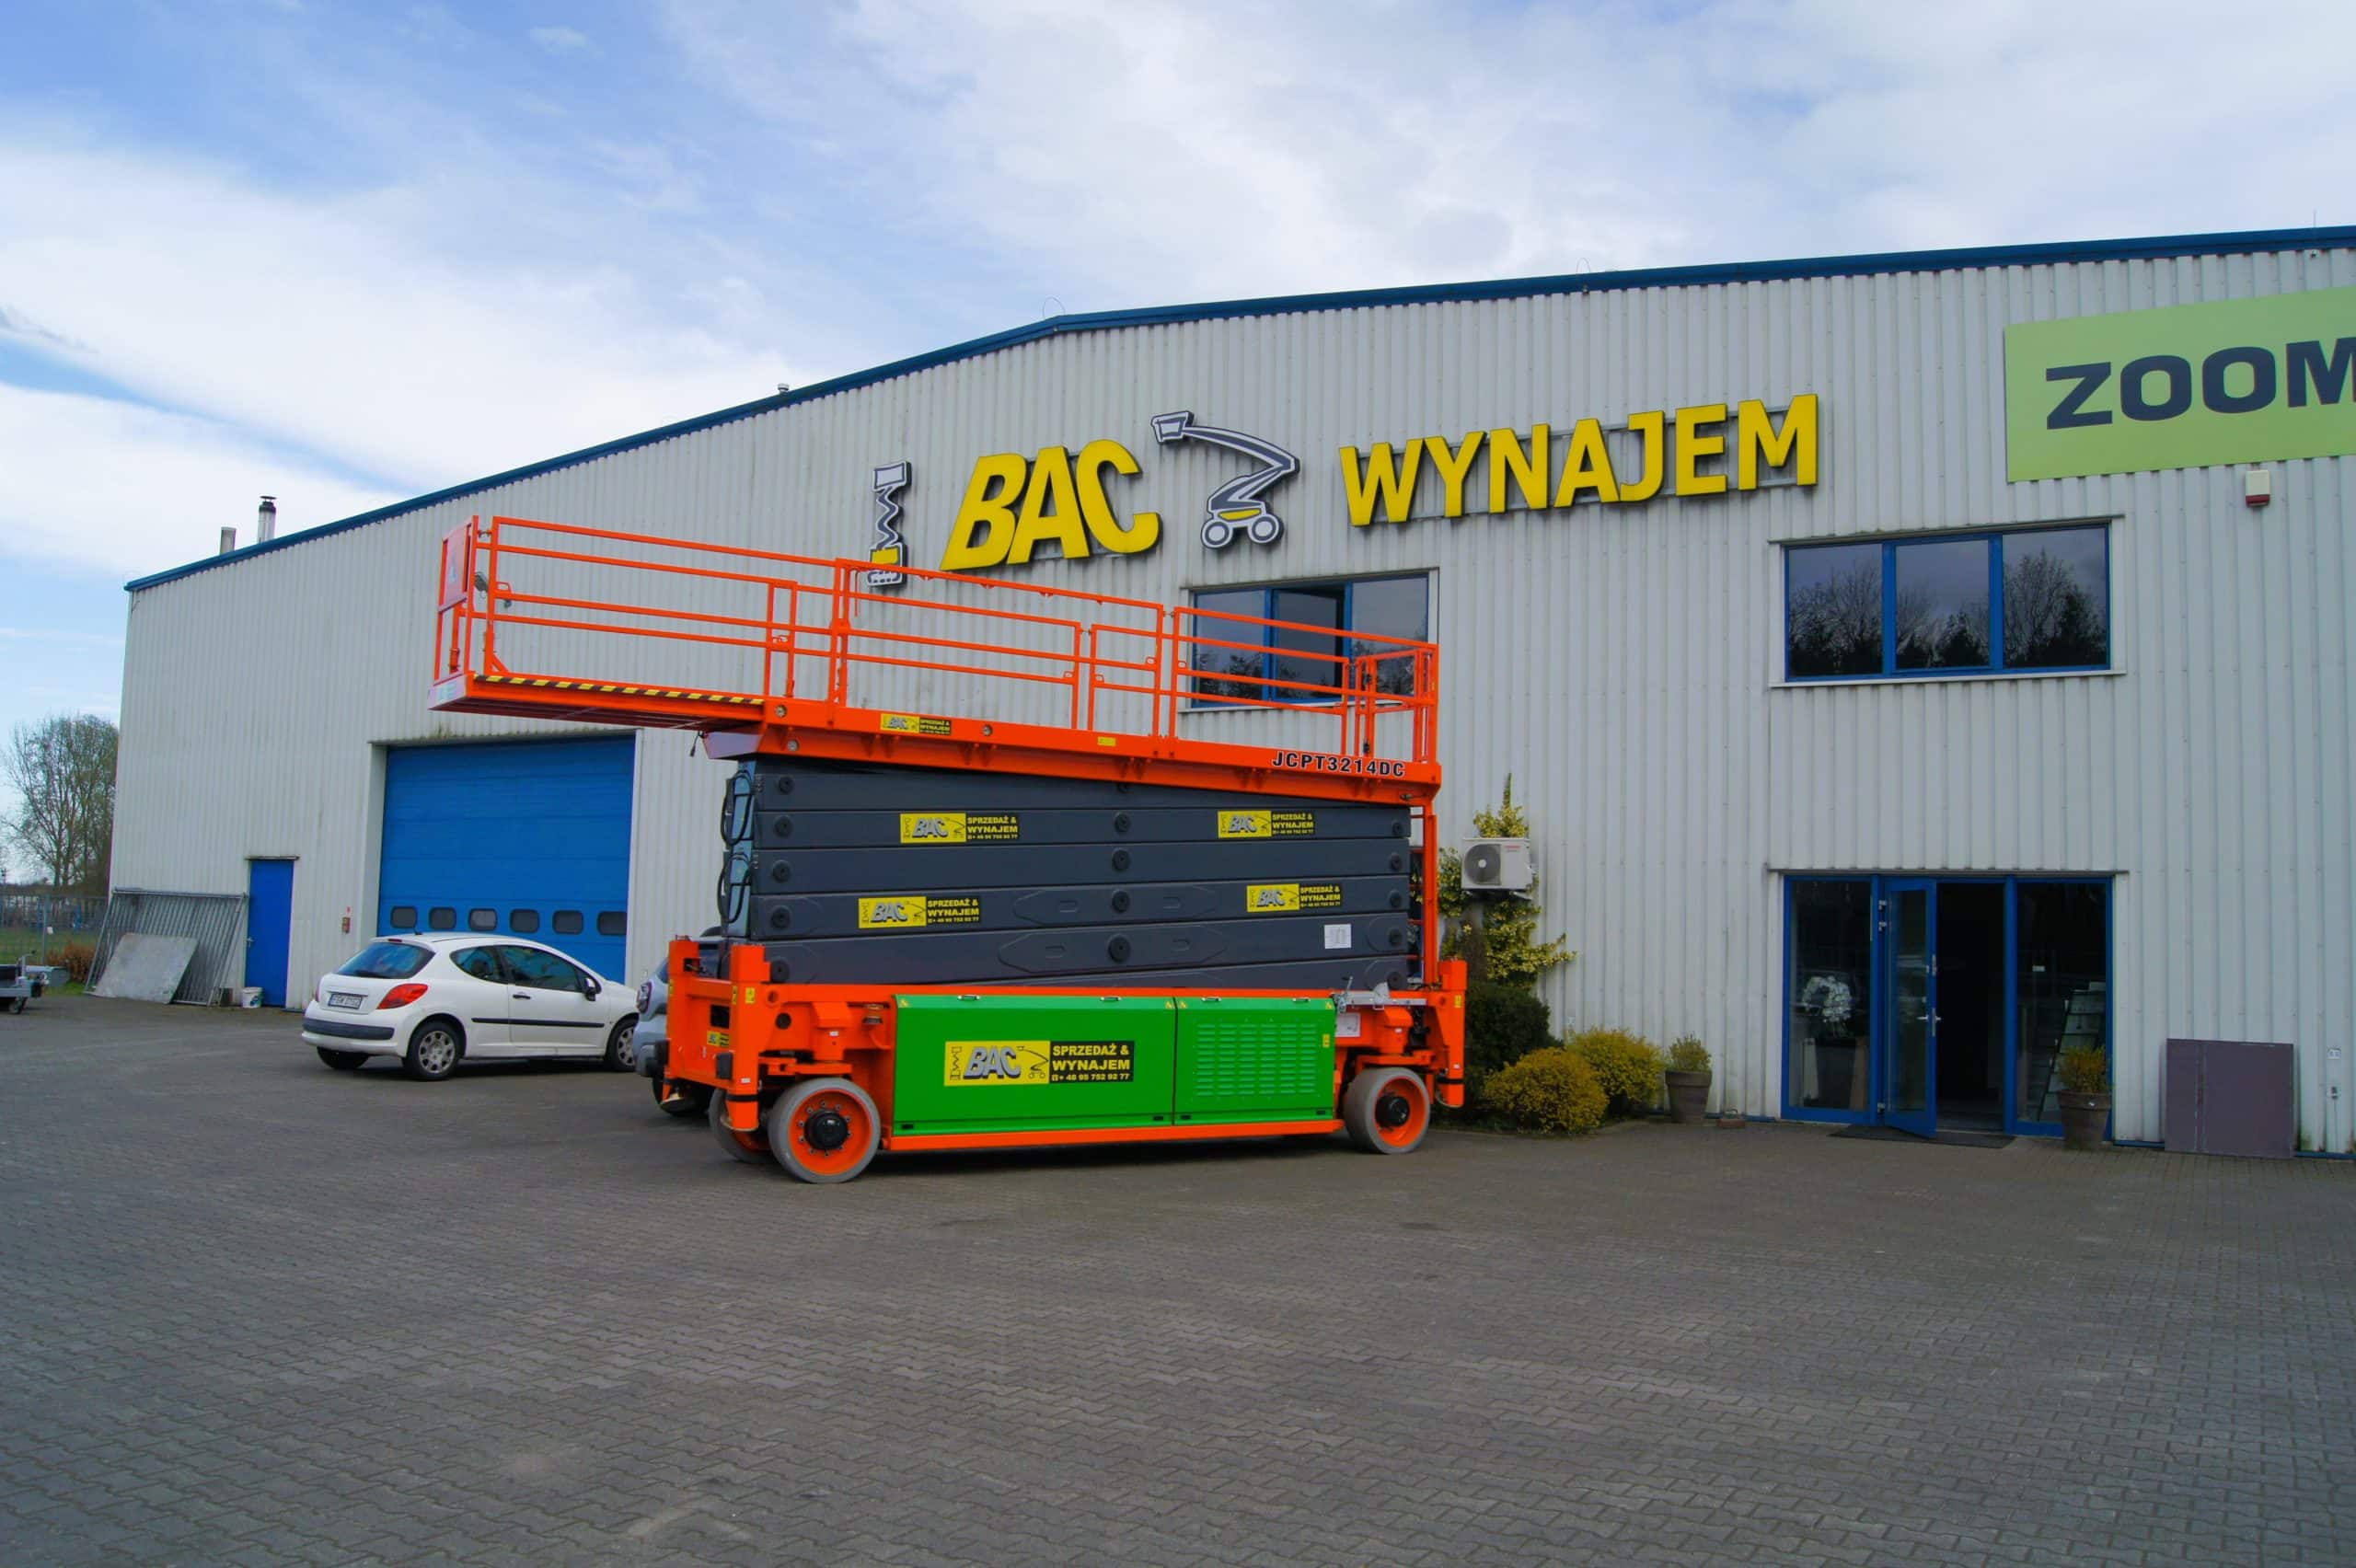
column 228, row 541
column 266, row 521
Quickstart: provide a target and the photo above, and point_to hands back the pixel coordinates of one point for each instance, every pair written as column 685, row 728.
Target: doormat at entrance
column 1959, row 1140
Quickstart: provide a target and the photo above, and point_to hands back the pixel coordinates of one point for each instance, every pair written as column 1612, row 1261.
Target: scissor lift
column 788, row 664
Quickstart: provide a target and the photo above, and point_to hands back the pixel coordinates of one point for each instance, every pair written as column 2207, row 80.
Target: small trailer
column 22, row 981
column 986, row 880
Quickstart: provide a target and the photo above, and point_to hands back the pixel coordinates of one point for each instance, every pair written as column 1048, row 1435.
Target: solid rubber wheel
column 621, row 1053
column 750, row 1147
column 341, row 1061
column 433, row 1051
column 825, row 1130
column 1387, row 1110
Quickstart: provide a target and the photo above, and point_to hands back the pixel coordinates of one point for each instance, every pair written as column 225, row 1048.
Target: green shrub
column 2084, row 1069
column 1551, row 1090
column 1502, row 1024
column 75, row 958
column 1628, row 1065
column 1688, row 1055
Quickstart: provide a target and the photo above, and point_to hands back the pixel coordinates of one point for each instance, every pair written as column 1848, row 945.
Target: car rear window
column 386, row 960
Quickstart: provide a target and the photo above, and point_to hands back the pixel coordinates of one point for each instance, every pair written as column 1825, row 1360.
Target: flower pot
column 1689, row 1096
column 2082, row 1119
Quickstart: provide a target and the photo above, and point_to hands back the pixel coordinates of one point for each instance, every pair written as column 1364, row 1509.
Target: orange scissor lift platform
column 788, row 660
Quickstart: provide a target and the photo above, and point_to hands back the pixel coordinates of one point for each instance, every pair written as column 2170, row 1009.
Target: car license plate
column 349, row 1000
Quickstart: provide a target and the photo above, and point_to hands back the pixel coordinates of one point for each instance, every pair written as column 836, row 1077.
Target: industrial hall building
column 1910, row 663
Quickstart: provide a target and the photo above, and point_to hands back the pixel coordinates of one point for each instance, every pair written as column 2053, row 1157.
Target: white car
column 433, row 1001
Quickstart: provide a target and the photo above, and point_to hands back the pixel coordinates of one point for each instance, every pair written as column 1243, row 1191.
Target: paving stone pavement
column 253, row 1311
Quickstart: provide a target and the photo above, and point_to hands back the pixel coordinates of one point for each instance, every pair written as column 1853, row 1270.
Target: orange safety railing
column 568, row 621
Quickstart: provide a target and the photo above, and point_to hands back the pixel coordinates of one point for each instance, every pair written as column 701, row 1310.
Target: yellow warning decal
column 960, row 827
column 973, row 1063
column 1241, row 823
column 1285, row 898
column 914, row 911
column 911, row 724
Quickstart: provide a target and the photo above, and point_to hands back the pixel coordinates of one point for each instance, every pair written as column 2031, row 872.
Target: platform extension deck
column 770, row 652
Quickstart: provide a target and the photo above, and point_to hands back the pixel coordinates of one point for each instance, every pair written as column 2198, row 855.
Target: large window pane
column 1834, row 625
column 1307, row 657
column 2063, row 984
column 1831, row 951
column 1243, row 665
column 2057, row 598
column 1390, row 607
column 1943, row 605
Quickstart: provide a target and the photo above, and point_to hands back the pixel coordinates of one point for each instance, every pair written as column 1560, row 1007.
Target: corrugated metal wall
column 1622, row 663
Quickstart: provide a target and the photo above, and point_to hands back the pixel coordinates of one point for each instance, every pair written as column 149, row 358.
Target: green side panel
column 1025, row 1064
column 1255, row 1058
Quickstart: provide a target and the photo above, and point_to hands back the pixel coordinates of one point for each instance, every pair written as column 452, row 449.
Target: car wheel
column 341, row 1061
column 752, row 1148
column 622, row 1052
column 433, row 1050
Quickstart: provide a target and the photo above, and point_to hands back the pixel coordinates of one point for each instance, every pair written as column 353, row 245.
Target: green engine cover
column 1015, row 1063
column 1255, row 1058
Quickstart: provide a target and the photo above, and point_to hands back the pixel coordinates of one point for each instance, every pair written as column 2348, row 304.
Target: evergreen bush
column 1502, row 1024
column 1551, row 1090
column 1509, row 929
column 1627, row 1065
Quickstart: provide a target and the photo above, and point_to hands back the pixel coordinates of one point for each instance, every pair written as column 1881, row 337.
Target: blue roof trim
column 2154, row 248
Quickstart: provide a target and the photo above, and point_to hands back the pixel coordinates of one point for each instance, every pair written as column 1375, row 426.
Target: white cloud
column 400, row 331
column 1172, row 153
column 97, row 482
column 560, row 40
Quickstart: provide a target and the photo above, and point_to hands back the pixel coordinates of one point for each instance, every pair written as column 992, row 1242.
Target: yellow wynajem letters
column 1757, row 440
column 1529, row 468
column 1395, row 483
column 1452, row 467
column 1588, row 467
column 1692, row 447
column 1647, row 425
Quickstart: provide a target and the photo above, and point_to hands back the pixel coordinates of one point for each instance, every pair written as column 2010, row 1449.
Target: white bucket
column 249, row 996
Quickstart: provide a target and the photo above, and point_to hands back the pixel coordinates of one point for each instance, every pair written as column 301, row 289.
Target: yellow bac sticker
column 1243, row 825
column 960, row 827
column 975, row 1063
column 914, row 911
column 1281, row 898
column 911, row 724
column 1239, row 822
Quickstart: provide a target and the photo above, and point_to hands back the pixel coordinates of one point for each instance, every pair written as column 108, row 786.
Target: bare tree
column 62, row 769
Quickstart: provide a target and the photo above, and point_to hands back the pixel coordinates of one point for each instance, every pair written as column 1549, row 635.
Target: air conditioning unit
column 1497, row 865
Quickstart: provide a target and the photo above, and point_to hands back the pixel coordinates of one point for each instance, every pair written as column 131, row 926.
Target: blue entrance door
column 270, row 915
column 1909, row 1067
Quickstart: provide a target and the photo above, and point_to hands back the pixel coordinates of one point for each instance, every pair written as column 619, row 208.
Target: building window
column 1949, row 604
column 482, row 919
column 524, row 922
column 441, row 918
column 402, row 917
column 1239, row 658
column 565, row 922
column 612, row 923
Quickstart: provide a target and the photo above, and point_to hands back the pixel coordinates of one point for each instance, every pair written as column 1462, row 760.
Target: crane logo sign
column 1235, row 507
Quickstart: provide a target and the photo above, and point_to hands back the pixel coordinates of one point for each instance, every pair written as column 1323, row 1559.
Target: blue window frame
column 1944, row 604
column 1243, row 663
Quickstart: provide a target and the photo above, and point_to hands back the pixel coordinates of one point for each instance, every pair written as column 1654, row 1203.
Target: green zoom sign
column 2240, row 381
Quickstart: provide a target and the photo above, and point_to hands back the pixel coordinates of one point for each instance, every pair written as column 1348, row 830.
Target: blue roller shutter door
column 527, row 838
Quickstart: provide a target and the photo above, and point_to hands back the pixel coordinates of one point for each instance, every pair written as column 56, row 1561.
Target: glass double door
column 1922, row 1002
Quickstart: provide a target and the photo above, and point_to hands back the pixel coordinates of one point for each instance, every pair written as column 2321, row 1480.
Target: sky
column 346, row 253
